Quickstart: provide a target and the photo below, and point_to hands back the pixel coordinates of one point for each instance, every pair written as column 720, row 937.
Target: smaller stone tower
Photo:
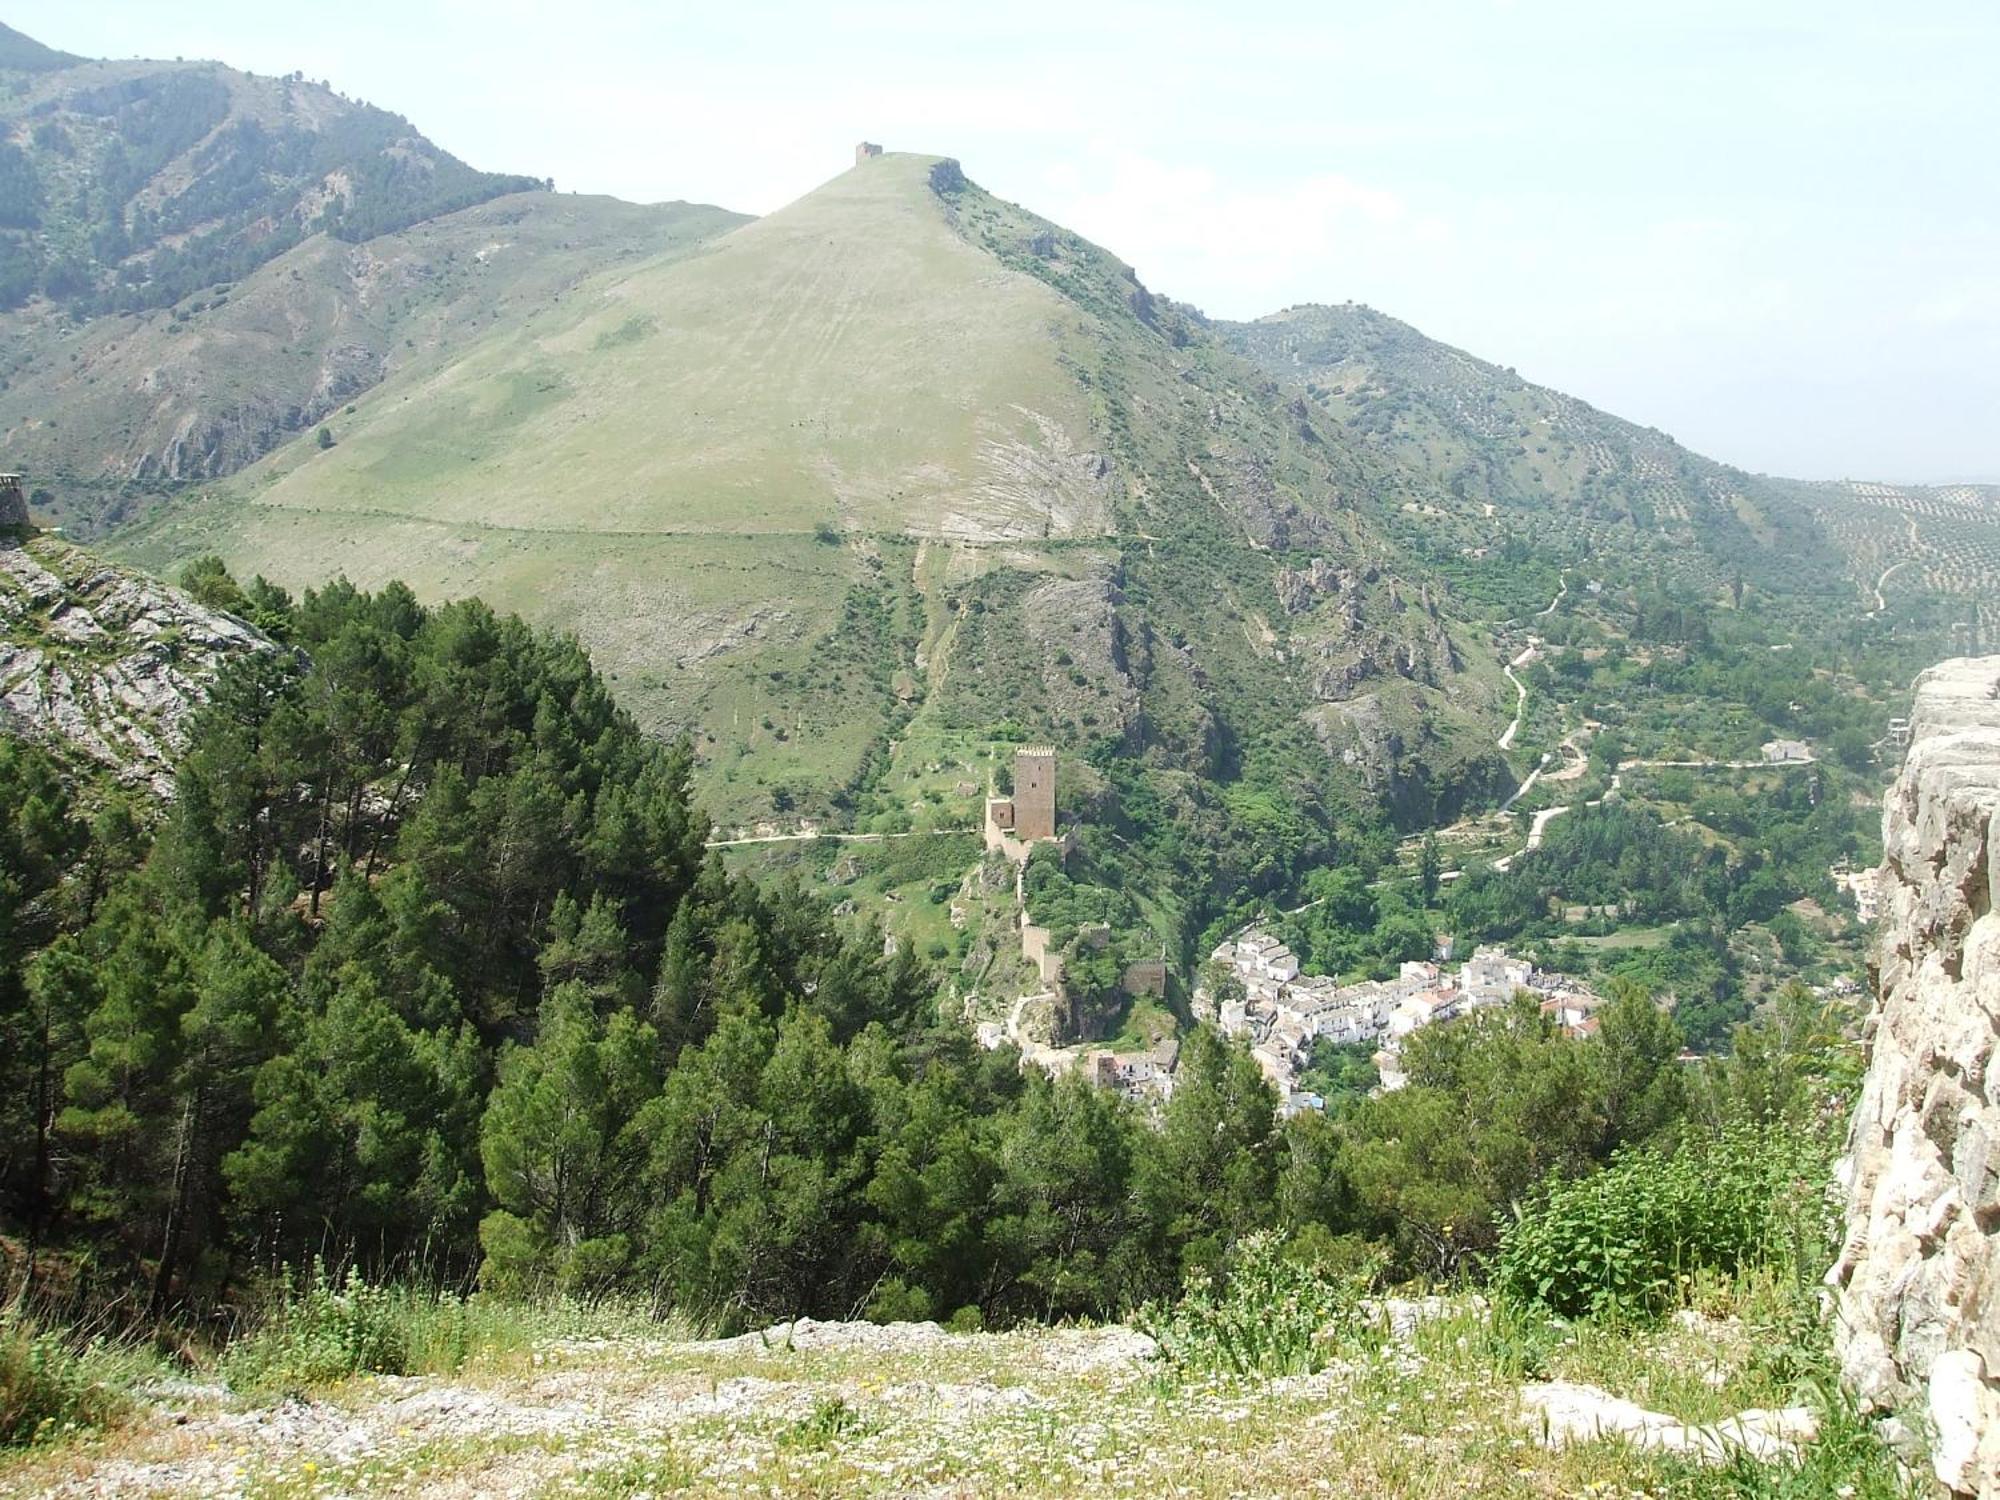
column 865, row 150
column 1034, row 794
column 13, row 503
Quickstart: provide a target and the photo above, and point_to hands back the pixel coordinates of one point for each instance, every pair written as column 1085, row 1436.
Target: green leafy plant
column 331, row 1328
column 1628, row 1239
column 830, row 1420
column 1267, row 1314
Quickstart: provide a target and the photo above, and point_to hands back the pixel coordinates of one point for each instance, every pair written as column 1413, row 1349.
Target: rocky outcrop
column 1559, row 1413
column 1301, row 589
column 1918, row 1279
column 105, row 663
column 1079, row 636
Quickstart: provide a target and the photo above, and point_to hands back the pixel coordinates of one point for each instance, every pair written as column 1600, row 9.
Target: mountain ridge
column 143, row 204
column 1570, row 472
column 711, row 452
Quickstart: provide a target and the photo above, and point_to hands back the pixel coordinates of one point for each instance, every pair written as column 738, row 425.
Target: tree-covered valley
column 524, row 856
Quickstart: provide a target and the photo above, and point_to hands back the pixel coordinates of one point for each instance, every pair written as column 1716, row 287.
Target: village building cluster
column 1280, row 1012
column 1283, row 1014
column 1862, row 884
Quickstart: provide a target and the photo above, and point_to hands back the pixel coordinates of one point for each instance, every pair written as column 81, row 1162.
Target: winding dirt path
column 845, row 838
column 1506, row 740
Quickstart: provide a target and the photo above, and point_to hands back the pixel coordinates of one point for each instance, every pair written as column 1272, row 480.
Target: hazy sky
column 1770, row 228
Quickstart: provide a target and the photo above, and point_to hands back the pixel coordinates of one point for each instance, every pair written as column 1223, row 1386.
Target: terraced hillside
column 1903, row 539
column 896, row 471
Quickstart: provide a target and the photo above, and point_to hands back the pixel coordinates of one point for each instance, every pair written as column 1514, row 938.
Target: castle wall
column 13, row 503
column 1035, row 949
column 1917, row 1284
column 1146, row 977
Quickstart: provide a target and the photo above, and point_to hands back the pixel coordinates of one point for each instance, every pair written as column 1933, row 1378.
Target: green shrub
column 1626, row 1240
column 1268, row 1315
column 330, row 1329
column 50, row 1387
column 832, row 1419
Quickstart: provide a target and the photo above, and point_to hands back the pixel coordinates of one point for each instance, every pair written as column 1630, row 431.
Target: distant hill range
column 1565, row 471
column 198, row 263
column 898, row 463
column 897, row 467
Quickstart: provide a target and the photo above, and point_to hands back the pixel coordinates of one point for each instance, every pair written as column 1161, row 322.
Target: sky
column 1771, row 229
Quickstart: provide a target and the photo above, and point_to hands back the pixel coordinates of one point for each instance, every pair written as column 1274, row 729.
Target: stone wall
column 1917, row 1284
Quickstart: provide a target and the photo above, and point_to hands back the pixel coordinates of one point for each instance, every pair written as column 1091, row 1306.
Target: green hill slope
column 849, row 359
column 896, row 471
column 196, row 263
column 110, row 415
column 1520, row 459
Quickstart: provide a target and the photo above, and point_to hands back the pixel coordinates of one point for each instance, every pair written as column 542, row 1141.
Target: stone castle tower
column 13, row 503
column 865, row 150
column 1034, row 794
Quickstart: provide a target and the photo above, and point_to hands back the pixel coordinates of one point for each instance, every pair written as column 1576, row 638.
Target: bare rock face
column 1918, row 1279
column 106, row 664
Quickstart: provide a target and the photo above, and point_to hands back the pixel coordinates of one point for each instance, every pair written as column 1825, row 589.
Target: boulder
column 1561, row 1412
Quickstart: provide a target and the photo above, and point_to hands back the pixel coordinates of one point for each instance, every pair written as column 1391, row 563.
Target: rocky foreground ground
column 908, row 1409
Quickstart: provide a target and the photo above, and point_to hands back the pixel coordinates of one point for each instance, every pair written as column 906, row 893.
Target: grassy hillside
column 197, row 263
column 109, row 415
column 898, row 466
column 848, row 360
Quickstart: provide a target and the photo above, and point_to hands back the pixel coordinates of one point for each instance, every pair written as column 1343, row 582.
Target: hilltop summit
column 901, row 431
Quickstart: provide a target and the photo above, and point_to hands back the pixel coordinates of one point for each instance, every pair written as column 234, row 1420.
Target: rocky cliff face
column 105, row 664
column 1918, row 1279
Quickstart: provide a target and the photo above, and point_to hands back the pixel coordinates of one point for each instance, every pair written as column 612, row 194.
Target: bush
column 1627, row 1239
column 1269, row 1315
column 50, row 1387
column 331, row 1329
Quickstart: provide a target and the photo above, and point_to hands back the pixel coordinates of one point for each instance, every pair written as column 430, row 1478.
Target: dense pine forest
column 426, row 971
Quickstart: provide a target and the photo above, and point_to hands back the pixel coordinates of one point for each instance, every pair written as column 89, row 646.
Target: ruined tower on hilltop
column 865, row 150
column 1013, row 823
column 1034, row 794
column 13, row 503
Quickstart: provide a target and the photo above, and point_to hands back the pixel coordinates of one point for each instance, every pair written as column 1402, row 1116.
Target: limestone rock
column 1561, row 1412
column 106, row 664
column 1917, row 1283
